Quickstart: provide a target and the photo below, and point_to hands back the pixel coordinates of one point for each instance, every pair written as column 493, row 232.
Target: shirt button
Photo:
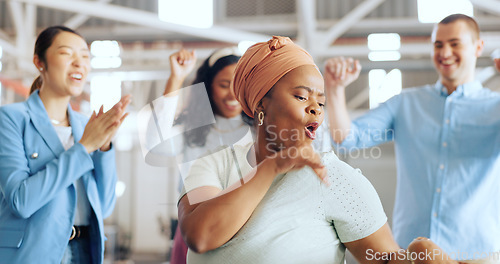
column 435, row 214
column 447, row 121
column 441, row 166
column 438, row 190
column 34, row 155
column 449, row 100
column 445, row 144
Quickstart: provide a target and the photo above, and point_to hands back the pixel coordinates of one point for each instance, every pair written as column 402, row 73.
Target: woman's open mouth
column 311, row 130
column 77, row 76
column 232, row 105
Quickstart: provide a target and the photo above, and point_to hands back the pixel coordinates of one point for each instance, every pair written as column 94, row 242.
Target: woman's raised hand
column 340, row 72
column 182, row 63
column 102, row 127
column 296, row 157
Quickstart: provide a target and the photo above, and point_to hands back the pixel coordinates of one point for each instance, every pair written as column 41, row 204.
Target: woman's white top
column 300, row 220
column 82, row 212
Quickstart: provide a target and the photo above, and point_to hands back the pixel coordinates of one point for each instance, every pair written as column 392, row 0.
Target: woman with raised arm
column 212, row 79
column 215, row 74
column 57, row 168
column 276, row 200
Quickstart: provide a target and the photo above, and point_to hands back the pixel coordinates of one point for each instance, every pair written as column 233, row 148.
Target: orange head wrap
column 262, row 65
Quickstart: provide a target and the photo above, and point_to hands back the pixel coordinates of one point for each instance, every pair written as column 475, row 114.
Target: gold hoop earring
column 261, row 118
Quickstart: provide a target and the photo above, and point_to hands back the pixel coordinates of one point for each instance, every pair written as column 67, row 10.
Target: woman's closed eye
column 65, row 50
column 301, row 98
column 224, row 84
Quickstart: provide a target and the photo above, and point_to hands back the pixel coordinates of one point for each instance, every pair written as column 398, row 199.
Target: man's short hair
column 471, row 23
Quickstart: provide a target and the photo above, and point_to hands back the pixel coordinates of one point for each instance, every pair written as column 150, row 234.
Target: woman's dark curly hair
column 205, row 74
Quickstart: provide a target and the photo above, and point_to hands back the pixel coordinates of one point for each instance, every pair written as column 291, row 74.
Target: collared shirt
column 448, row 160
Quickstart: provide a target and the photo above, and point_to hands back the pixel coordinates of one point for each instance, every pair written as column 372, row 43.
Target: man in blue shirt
column 447, row 141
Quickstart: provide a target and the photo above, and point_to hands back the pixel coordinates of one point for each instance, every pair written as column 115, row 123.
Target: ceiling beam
column 8, row 47
column 79, row 19
column 405, row 26
column 306, row 21
column 146, row 19
column 6, row 44
column 406, row 50
column 349, row 20
column 30, row 21
column 490, row 6
column 18, row 14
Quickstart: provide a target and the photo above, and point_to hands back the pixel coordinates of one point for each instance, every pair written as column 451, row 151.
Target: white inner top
column 82, row 213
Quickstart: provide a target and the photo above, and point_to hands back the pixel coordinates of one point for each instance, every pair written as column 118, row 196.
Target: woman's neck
column 56, row 106
column 236, row 117
column 264, row 147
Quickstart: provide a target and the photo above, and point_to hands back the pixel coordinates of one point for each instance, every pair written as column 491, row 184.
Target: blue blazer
column 37, row 191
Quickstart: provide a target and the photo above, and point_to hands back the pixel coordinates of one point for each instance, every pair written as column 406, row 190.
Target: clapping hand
column 102, row 127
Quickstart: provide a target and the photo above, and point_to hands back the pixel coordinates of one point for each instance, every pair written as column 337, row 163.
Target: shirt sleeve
column 205, row 171
column 373, row 128
column 106, row 178
column 351, row 202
